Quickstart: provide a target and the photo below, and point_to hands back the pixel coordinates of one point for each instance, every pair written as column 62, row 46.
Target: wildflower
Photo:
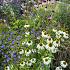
column 23, row 43
column 26, row 34
column 58, row 68
column 22, row 64
column 29, row 63
column 54, row 30
column 27, row 52
column 29, row 43
column 44, row 34
column 50, row 47
column 33, row 50
column 56, row 43
column 21, row 51
column 2, row 46
column 47, row 60
column 40, row 46
column 49, row 40
column 65, row 35
column 33, row 60
column 26, row 26
column 7, row 68
column 63, row 64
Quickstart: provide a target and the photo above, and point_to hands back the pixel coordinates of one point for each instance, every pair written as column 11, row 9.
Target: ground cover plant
column 35, row 36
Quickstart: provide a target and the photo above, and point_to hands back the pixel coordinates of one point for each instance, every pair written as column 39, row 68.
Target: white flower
column 27, row 52
column 29, row 63
column 65, row 35
column 56, row 43
column 21, row 51
column 7, row 68
column 33, row 50
column 26, row 26
column 27, row 33
column 47, row 60
column 49, row 40
column 33, row 60
column 63, row 64
column 23, row 43
column 51, row 47
column 22, row 64
column 58, row 68
column 54, row 30
column 40, row 46
column 44, row 34
column 29, row 43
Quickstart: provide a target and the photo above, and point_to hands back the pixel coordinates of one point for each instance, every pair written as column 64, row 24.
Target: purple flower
column 14, row 55
column 13, row 42
column 6, row 56
column 44, row 0
column 2, row 46
column 9, row 39
column 8, row 59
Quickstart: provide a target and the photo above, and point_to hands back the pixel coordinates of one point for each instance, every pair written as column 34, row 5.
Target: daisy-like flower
column 23, row 43
column 47, row 60
column 22, row 64
column 40, row 46
column 50, row 47
column 7, row 68
column 65, row 35
column 27, row 33
column 27, row 52
column 33, row 50
column 58, row 68
column 33, row 60
column 21, row 51
column 44, row 34
column 56, row 43
column 29, row 43
column 49, row 40
column 54, row 30
column 29, row 63
column 26, row 26
column 64, row 64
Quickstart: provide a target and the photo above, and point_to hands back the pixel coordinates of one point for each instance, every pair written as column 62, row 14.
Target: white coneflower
column 58, row 68
column 33, row 50
column 56, row 43
column 49, row 40
column 44, row 34
column 21, row 51
column 29, row 43
column 51, row 47
column 64, row 64
column 47, row 60
column 27, row 33
column 40, row 46
column 27, row 52
column 65, row 35
column 29, row 63
column 23, row 43
column 54, row 30
column 33, row 60
column 7, row 68
column 22, row 64
column 26, row 25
